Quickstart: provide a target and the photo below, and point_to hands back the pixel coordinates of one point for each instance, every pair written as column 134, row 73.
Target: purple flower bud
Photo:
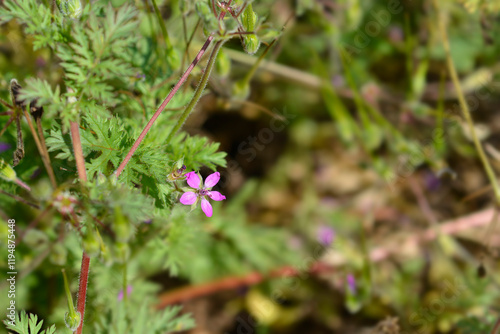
column 432, row 182
column 4, row 147
column 325, row 235
column 351, row 283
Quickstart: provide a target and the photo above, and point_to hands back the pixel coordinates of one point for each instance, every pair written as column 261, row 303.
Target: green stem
column 198, row 92
column 162, row 25
column 125, row 292
column 465, row 108
column 255, row 66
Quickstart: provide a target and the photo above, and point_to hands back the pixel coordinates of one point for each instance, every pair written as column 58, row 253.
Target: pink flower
column 351, row 283
column 192, row 197
column 326, row 234
column 121, row 294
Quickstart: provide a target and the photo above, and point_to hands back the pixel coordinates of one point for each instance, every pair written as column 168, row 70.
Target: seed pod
column 70, row 8
column 72, row 318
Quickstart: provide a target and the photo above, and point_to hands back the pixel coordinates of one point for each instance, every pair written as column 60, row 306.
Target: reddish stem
column 82, row 289
column 174, row 90
column 234, row 282
column 163, row 105
column 496, row 327
column 77, row 148
column 84, row 270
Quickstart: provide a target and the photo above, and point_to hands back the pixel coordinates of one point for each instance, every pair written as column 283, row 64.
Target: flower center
column 203, row 192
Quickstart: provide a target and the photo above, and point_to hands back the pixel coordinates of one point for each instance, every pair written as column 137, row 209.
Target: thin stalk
column 162, row 25
column 9, row 122
column 255, row 66
column 77, row 148
column 465, row 108
column 84, row 270
column 42, row 148
column 125, row 291
column 169, row 97
column 19, row 152
column 198, row 92
column 20, row 199
column 188, row 43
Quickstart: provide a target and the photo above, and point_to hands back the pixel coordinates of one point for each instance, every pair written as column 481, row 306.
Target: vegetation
column 249, row 167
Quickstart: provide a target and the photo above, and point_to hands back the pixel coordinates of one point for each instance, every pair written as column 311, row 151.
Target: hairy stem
column 169, row 97
column 198, row 92
column 464, row 106
column 42, row 148
column 84, row 270
column 77, row 148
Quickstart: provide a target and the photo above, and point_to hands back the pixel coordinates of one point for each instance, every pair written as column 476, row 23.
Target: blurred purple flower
column 120, row 294
column 192, row 197
column 141, row 76
column 351, row 283
column 4, row 147
column 432, row 182
column 396, row 34
column 325, row 235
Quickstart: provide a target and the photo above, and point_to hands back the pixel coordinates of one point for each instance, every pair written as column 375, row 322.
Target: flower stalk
column 169, row 97
column 465, row 107
column 85, row 267
column 198, row 92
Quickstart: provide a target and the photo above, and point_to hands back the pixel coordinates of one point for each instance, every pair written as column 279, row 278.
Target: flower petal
column 188, row 198
column 216, row 196
column 212, row 180
column 206, row 207
column 193, row 180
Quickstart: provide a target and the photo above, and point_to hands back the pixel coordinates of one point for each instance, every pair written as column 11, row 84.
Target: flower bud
column 177, row 171
column 91, row 243
column 70, row 8
column 58, row 254
column 249, row 18
column 72, row 321
column 122, row 252
column 241, row 90
column 6, row 172
column 223, row 64
column 65, row 202
column 251, row 44
column 122, row 226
